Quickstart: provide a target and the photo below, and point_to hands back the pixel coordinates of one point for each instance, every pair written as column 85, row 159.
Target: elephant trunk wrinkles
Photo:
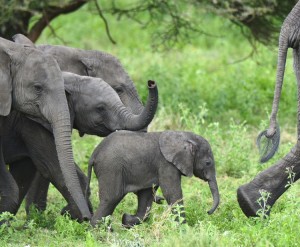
column 133, row 102
column 62, row 135
column 215, row 193
column 141, row 121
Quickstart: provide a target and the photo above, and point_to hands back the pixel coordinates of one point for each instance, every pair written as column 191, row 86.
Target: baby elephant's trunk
column 215, row 193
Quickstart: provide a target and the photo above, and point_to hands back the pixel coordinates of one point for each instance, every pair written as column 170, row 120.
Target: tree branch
column 49, row 14
column 105, row 22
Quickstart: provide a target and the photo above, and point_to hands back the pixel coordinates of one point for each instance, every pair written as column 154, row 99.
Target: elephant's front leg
column 145, row 199
column 273, row 180
column 170, row 184
column 9, row 191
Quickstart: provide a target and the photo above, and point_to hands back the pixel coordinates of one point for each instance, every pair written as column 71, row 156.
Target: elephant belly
column 140, row 179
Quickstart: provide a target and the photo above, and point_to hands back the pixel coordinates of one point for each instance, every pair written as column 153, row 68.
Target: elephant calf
column 138, row 162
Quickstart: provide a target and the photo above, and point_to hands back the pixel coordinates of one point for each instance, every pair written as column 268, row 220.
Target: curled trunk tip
column 151, row 84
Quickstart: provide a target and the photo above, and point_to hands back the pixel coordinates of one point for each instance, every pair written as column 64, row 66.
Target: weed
column 291, row 176
column 263, row 212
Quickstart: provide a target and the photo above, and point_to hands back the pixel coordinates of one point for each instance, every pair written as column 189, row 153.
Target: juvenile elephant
column 95, row 108
column 140, row 162
column 32, row 83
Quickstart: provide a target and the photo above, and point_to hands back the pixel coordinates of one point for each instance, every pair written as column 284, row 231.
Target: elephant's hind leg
column 106, row 208
column 111, row 192
column 145, row 199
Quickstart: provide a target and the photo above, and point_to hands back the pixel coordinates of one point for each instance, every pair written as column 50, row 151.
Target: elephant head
column 32, row 83
column 98, row 109
column 95, row 64
column 191, row 154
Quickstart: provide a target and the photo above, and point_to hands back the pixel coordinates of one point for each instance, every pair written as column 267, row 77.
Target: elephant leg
column 23, row 171
column 111, row 192
column 9, row 191
column 145, row 199
column 273, row 180
column 37, row 194
column 106, row 208
column 170, row 184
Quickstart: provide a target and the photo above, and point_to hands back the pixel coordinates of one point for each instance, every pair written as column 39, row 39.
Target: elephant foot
column 158, row 199
column 247, row 201
column 129, row 220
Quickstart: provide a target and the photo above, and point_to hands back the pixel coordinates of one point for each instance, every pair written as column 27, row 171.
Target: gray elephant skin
column 32, row 83
column 274, row 179
column 88, row 63
column 139, row 162
column 95, row 64
column 95, row 108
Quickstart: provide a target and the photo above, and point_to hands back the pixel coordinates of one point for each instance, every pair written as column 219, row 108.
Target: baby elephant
column 139, row 162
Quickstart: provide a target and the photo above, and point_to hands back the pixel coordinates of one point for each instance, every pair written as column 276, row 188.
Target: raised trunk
column 274, row 180
column 62, row 136
column 134, row 122
column 213, row 185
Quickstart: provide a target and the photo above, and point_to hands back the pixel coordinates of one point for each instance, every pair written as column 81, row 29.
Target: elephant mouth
column 100, row 130
column 203, row 176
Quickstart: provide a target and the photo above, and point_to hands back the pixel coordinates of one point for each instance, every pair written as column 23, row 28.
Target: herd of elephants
column 48, row 90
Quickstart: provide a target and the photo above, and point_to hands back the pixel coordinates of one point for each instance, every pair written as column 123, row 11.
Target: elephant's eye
column 38, row 87
column 100, row 108
column 207, row 163
column 119, row 90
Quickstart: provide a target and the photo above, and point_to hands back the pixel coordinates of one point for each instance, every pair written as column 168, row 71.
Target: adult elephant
column 95, row 108
column 275, row 178
column 32, row 83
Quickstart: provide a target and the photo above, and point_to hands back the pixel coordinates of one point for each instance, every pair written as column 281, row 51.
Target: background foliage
column 205, row 88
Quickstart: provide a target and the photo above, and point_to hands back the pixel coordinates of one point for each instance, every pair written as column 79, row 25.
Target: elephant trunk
column 62, row 135
column 215, row 193
column 137, row 122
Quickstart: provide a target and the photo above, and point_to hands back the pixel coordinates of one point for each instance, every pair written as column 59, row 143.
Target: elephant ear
column 6, row 86
column 69, row 81
column 23, row 40
column 88, row 64
column 178, row 150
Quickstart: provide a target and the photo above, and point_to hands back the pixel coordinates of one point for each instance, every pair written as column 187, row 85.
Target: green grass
column 203, row 90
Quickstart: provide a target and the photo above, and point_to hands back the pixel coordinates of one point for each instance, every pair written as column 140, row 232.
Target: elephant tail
column 90, row 167
column 267, row 146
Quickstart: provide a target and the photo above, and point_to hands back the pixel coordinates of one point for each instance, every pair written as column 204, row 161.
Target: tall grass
column 202, row 89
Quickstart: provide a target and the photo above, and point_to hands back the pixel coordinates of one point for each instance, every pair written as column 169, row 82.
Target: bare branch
column 105, row 22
